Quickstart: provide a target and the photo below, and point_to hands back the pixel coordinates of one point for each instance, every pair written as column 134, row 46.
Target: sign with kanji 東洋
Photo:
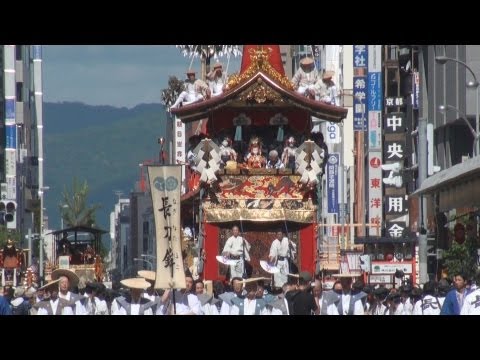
column 375, row 188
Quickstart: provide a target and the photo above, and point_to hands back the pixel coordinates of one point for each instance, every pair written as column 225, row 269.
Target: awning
column 383, row 240
column 457, row 186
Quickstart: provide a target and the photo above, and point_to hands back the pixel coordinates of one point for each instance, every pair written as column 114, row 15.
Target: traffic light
column 7, row 213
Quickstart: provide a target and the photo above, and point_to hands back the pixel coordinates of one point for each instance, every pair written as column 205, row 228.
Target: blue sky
column 117, row 75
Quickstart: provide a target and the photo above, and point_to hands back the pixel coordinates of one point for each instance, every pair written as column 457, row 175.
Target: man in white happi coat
column 471, row 304
column 237, row 287
column 250, row 305
column 92, row 303
column 428, row 304
column 194, row 90
column 346, row 303
column 133, row 303
column 216, row 80
column 281, row 249
column 237, row 247
column 149, row 276
column 52, row 304
column 69, row 280
column 186, row 302
column 306, row 77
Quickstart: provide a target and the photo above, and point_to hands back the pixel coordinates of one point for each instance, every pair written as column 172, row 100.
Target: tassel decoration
column 280, row 134
column 238, row 133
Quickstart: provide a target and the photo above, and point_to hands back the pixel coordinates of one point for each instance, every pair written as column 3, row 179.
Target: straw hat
column 19, row 291
column 72, row 277
column 217, row 66
column 147, row 274
column 328, row 75
column 251, row 280
column 30, row 292
column 191, row 71
column 346, row 275
column 47, row 285
column 306, row 61
column 135, row 283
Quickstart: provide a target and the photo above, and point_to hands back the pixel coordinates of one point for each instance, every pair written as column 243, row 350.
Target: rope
column 193, row 55
column 245, row 276
column 226, row 69
column 313, row 57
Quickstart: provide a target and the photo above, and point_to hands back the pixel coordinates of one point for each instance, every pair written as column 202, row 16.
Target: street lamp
column 153, row 257
column 471, row 84
column 145, row 260
column 41, row 192
column 64, row 206
column 444, row 108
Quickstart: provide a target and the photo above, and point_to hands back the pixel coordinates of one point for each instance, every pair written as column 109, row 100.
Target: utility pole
column 30, row 247
column 422, row 175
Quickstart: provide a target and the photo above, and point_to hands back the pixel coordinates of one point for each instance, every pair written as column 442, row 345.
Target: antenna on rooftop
column 118, row 193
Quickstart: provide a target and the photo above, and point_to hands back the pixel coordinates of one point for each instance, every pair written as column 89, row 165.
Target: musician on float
column 326, row 89
column 194, row 90
column 306, row 77
column 216, row 80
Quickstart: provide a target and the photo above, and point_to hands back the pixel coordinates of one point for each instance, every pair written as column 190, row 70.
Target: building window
column 18, row 52
column 454, row 143
column 145, row 235
column 19, row 91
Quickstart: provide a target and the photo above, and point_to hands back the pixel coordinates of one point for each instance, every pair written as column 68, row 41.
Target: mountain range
column 103, row 145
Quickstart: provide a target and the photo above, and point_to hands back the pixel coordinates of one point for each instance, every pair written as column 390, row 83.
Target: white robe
column 281, row 248
column 471, row 305
column 234, row 246
column 54, row 304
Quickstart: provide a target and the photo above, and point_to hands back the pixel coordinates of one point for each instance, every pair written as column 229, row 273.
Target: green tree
column 74, row 209
column 6, row 233
column 461, row 258
column 170, row 94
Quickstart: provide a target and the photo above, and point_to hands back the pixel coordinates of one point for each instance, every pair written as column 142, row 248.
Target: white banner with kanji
column 165, row 185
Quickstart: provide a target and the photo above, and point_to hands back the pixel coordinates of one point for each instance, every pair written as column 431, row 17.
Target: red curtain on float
column 212, row 250
column 307, row 251
column 308, row 248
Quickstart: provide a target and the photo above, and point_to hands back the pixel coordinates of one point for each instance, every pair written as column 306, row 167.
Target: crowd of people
column 301, row 294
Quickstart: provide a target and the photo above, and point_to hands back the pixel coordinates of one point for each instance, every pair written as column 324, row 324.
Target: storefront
column 389, row 257
column 455, row 187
